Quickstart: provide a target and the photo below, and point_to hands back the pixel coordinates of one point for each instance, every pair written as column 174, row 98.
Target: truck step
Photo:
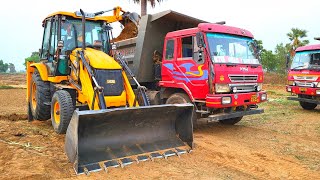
column 222, row 116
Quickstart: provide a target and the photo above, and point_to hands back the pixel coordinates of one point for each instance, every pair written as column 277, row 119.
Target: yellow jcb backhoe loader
column 88, row 96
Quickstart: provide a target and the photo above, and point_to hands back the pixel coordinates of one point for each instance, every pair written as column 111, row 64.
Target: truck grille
column 244, row 87
column 243, row 78
column 304, row 84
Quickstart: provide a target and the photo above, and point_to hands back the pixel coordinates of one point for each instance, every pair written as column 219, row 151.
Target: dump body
column 304, row 77
column 189, row 70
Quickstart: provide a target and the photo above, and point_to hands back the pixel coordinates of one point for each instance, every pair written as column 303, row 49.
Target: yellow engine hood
column 99, row 60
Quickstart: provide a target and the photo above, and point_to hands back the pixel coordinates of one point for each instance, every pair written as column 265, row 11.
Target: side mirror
column 200, row 40
column 287, row 61
column 60, row 44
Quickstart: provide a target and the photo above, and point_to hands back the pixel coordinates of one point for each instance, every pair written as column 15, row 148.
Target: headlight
column 290, row 83
column 259, row 87
column 226, row 100
column 318, row 92
column 263, row 97
column 222, row 88
column 318, row 85
column 289, row 89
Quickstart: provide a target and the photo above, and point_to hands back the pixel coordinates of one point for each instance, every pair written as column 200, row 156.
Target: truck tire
column 62, row 108
column 39, row 97
column 307, row 106
column 231, row 121
column 181, row 98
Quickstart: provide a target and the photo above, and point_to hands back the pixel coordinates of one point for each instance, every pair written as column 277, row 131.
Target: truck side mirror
column 287, row 61
column 200, row 40
column 60, row 44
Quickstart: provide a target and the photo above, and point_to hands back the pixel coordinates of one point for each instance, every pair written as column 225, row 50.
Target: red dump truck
column 304, row 77
column 181, row 59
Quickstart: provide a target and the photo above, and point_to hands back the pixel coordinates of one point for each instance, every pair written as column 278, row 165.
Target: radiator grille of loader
column 111, row 81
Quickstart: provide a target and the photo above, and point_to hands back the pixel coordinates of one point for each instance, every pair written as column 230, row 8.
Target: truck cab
column 181, row 59
column 304, row 77
column 218, row 67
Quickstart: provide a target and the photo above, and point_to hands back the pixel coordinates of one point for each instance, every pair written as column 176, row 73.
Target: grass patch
column 6, row 87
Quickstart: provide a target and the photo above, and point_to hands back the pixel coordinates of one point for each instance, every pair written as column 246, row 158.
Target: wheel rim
column 56, row 112
column 34, row 96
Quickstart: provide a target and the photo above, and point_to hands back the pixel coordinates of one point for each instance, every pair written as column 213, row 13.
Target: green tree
column 269, row 61
column 3, row 66
column 281, row 52
column 143, row 4
column 295, row 37
column 35, row 57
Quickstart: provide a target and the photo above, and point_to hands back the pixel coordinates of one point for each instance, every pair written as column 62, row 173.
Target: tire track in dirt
column 263, row 163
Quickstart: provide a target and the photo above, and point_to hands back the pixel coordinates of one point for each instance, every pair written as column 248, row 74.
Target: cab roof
column 73, row 14
column 212, row 27
column 309, row 48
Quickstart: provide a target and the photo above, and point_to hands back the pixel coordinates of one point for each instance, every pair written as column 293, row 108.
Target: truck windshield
column 71, row 34
column 232, row 49
column 306, row 60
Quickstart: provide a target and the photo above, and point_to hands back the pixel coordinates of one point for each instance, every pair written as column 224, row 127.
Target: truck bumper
column 242, row 99
column 303, row 90
column 313, row 101
column 222, row 116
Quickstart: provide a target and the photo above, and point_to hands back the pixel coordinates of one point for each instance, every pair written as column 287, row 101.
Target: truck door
column 189, row 68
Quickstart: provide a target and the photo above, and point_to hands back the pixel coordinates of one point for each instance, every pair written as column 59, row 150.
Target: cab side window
column 45, row 41
column 169, row 49
column 54, row 40
column 190, row 50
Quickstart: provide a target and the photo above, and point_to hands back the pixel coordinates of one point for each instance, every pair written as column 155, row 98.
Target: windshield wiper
column 295, row 68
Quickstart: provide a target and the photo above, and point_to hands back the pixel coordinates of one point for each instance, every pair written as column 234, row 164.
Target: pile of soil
column 130, row 30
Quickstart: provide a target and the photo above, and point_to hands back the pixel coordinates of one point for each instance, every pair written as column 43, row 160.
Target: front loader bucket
column 97, row 139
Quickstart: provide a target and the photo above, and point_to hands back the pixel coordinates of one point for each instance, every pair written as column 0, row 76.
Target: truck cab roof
column 212, row 27
column 308, row 47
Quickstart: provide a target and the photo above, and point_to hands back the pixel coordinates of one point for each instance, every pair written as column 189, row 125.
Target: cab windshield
column 306, row 60
column 232, row 49
column 71, row 34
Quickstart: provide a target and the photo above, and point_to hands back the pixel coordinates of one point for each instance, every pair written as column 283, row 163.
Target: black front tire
column 39, row 97
column 62, row 108
column 307, row 106
column 181, row 98
column 231, row 121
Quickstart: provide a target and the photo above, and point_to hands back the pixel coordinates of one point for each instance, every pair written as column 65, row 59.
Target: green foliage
column 295, row 37
column 35, row 57
column 3, row 66
column 268, row 60
column 276, row 62
column 280, row 54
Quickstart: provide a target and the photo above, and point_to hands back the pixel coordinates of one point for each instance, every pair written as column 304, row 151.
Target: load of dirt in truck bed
column 130, row 30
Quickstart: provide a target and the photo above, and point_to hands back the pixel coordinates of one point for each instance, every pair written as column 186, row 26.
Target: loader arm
column 119, row 15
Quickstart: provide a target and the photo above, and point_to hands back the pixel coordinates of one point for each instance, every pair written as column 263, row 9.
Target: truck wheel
column 231, row 121
column 39, row 97
column 181, row 98
column 62, row 108
column 307, row 106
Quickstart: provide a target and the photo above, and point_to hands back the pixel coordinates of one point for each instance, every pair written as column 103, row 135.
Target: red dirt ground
column 282, row 143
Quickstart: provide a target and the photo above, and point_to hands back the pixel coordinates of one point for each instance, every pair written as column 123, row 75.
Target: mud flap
column 96, row 138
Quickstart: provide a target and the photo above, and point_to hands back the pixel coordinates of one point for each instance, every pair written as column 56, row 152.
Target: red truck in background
column 304, row 77
column 215, row 67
